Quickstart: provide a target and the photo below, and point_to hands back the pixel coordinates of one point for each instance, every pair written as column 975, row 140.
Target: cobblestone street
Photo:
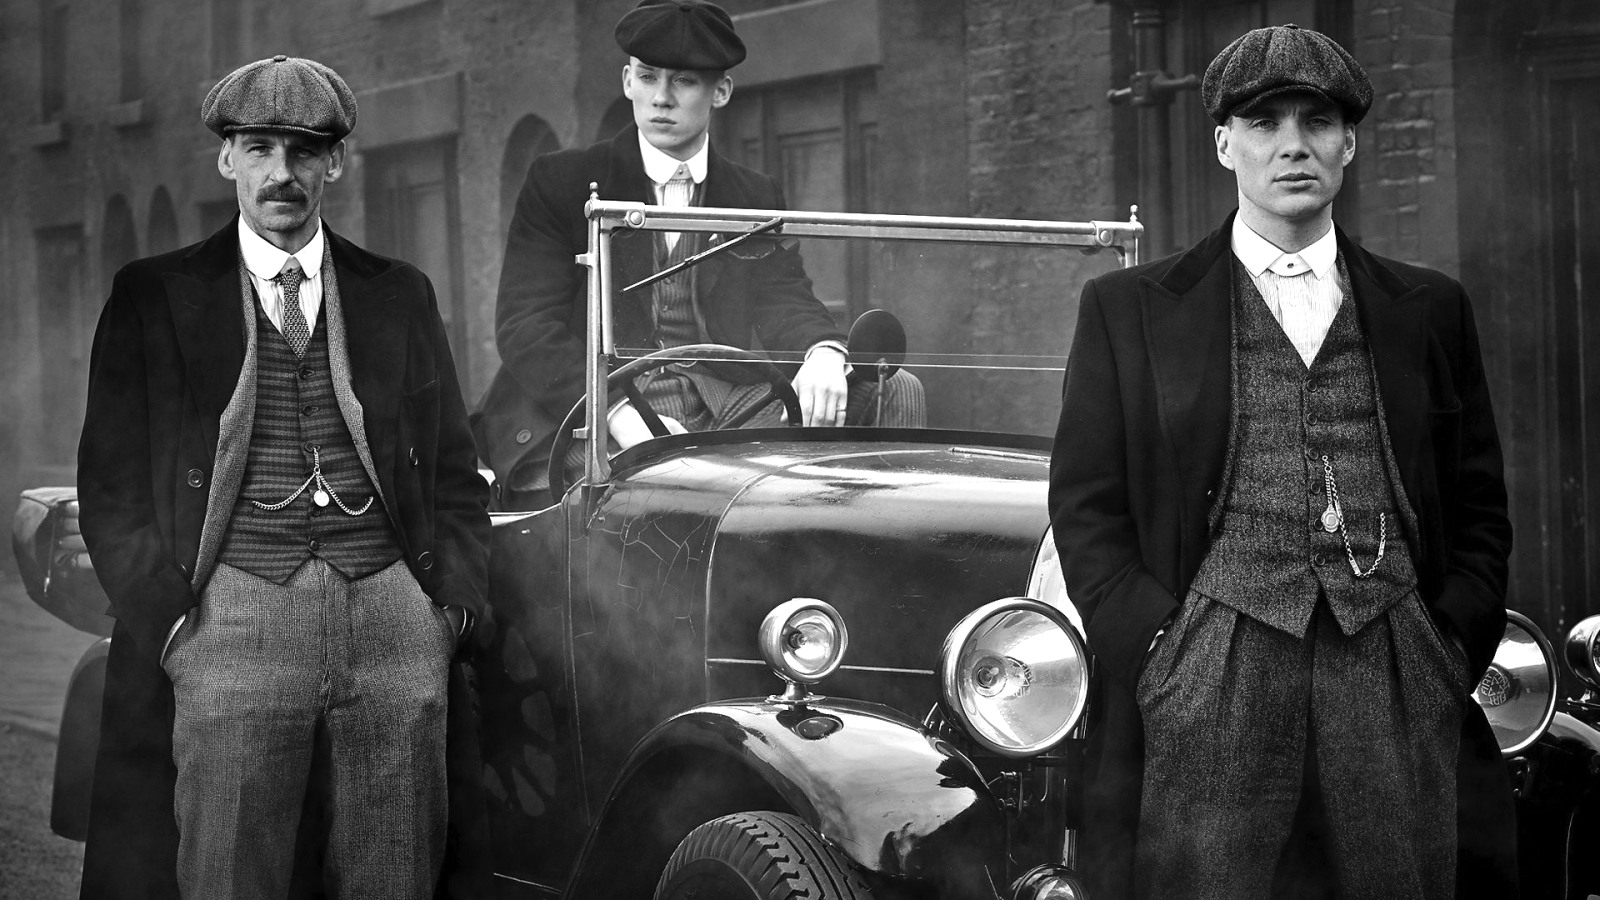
column 37, row 653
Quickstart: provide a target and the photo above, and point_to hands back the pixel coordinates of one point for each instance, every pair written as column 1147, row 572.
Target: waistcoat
column 1271, row 556
column 296, row 411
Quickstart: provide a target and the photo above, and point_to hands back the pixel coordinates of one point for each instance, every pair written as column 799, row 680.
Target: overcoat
column 167, row 356
column 1140, row 452
column 757, row 297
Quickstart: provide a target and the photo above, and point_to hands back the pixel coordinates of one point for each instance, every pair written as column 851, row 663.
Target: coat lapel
column 374, row 338
column 1188, row 315
column 203, row 296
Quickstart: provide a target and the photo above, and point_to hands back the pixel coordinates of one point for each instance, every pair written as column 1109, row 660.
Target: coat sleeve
column 1471, row 486
column 116, row 484
column 787, row 313
column 1122, row 603
column 540, row 287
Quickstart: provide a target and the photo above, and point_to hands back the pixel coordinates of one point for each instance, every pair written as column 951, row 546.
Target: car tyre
column 758, row 856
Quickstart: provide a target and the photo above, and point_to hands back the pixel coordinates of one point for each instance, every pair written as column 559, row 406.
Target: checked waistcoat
column 1272, row 556
column 296, row 410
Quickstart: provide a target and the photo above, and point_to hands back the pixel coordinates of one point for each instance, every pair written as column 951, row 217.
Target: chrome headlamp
column 803, row 640
column 1583, row 643
column 1016, row 675
column 1518, row 692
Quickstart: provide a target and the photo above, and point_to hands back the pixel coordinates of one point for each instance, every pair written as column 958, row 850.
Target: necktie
column 295, row 329
column 677, row 193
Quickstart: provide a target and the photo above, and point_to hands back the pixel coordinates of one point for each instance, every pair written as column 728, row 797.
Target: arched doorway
column 532, row 137
column 619, row 115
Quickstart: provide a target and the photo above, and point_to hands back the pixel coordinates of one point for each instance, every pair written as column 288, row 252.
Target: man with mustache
column 280, row 494
column 1277, row 491
column 679, row 54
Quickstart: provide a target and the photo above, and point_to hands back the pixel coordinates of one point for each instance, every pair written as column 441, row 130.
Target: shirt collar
column 265, row 261
column 659, row 166
column 1259, row 254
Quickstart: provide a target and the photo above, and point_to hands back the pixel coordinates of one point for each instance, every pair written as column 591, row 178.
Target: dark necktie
column 295, row 329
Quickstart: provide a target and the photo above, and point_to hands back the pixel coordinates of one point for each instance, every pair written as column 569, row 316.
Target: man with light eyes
column 679, row 54
column 1277, row 490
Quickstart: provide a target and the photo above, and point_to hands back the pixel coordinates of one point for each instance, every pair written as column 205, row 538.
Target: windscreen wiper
column 769, row 225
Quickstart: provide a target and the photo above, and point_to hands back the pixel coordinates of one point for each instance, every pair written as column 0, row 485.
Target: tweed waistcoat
column 295, row 411
column 1271, row 557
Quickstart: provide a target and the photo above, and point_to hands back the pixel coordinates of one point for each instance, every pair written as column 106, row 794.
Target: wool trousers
column 1242, row 719
column 272, row 682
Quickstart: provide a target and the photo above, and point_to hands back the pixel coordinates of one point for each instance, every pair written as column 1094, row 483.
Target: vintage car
column 784, row 661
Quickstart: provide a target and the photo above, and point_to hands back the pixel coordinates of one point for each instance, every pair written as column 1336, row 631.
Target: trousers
column 1231, row 710
column 272, row 682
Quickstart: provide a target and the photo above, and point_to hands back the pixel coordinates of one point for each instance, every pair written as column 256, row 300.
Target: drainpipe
column 1150, row 90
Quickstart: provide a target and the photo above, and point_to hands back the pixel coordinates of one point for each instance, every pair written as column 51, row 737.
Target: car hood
column 902, row 540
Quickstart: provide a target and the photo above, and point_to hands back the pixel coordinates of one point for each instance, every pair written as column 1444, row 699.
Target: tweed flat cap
column 680, row 34
column 1282, row 58
column 283, row 93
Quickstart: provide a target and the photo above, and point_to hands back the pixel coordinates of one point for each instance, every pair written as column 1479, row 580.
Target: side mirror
column 877, row 346
column 1518, row 693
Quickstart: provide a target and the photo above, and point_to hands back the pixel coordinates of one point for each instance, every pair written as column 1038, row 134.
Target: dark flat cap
column 680, row 34
column 283, row 93
column 1279, row 59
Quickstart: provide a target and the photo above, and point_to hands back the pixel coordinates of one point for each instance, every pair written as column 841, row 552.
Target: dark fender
column 80, row 737
column 896, row 801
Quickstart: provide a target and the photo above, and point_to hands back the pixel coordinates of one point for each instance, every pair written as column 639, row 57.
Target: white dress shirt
column 1301, row 289
column 659, row 168
column 265, row 261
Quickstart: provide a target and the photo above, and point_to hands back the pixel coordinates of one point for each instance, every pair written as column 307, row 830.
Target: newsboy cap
column 283, row 93
column 680, row 34
column 1282, row 58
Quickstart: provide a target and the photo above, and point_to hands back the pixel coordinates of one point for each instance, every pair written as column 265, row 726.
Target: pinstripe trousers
column 265, row 676
column 1232, row 707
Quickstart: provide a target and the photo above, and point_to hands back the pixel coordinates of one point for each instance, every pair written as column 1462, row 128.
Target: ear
column 1224, row 139
column 1349, row 144
column 723, row 92
column 225, row 160
column 335, row 162
column 627, row 79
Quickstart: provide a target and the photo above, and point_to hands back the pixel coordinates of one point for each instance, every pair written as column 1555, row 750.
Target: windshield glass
column 987, row 322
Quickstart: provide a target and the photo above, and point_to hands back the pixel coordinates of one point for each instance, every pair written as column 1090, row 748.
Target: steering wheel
column 778, row 389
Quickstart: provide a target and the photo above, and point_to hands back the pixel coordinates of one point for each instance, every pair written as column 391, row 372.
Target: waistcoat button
column 314, row 545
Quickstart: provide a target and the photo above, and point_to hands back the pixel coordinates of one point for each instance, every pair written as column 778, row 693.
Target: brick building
column 1470, row 162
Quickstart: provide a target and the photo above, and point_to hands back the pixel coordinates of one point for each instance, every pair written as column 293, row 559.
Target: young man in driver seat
column 755, row 297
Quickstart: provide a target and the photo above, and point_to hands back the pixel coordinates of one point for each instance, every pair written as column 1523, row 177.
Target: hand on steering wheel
column 778, row 389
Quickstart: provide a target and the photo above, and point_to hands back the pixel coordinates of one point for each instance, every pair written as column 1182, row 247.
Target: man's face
column 279, row 176
column 1289, row 154
column 672, row 107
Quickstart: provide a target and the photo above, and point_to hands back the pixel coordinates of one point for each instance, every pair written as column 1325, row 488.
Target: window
column 52, row 59
column 413, row 214
column 818, row 137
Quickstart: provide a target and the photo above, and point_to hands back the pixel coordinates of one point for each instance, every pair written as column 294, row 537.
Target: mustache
column 285, row 194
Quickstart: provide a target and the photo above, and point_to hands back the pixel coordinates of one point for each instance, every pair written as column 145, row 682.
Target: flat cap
column 680, row 34
column 283, row 93
column 1282, row 58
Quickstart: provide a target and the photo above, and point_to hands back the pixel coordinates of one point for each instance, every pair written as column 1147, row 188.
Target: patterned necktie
column 677, row 193
column 295, row 329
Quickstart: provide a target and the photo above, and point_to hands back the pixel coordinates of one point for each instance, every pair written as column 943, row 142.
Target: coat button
column 197, row 478
column 425, row 560
column 184, row 569
column 412, row 454
column 524, row 436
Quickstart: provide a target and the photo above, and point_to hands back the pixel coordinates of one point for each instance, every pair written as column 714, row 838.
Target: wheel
column 778, row 387
column 758, row 856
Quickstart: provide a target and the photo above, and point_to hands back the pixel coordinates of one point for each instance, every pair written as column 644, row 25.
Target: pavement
column 37, row 655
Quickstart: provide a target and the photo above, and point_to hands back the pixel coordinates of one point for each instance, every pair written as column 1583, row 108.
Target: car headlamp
column 1583, row 641
column 1518, row 692
column 803, row 640
column 1016, row 675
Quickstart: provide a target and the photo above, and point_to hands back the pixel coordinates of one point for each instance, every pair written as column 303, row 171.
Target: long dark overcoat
column 167, row 356
column 757, row 296
column 1140, row 452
